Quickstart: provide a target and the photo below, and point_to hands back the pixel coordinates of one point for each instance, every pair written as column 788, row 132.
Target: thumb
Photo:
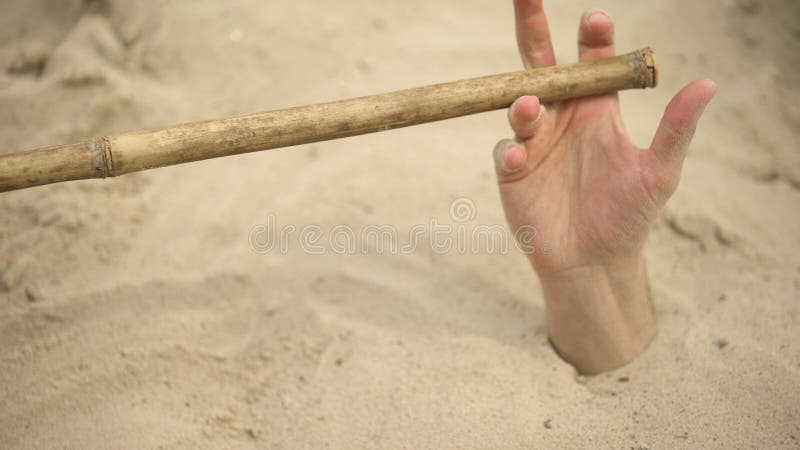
column 677, row 127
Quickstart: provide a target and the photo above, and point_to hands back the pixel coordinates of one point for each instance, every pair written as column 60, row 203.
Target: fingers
column 525, row 115
column 595, row 36
column 665, row 156
column 509, row 156
column 533, row 34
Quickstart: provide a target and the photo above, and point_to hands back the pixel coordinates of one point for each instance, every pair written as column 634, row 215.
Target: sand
column 134, row 312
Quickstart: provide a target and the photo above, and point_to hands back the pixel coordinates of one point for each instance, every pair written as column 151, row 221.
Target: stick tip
column 651, row 77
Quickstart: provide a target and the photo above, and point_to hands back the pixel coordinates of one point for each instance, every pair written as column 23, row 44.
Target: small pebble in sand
column 548, row 423
column 12, row 272
column 236, row 35
column 32, row 294
column 721, row 343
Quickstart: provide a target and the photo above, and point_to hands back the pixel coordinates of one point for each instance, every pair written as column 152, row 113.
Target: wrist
column 599, row 317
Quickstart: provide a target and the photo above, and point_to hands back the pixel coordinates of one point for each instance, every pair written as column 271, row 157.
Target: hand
column 573, row 174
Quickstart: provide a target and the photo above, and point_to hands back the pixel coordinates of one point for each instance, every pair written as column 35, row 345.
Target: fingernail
column 542, row 110
column 595, row 13
column 513, row 157
column 513, row 109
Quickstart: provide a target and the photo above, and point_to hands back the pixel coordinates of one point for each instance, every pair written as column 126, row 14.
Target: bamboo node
column 650, row 61
column 104, row 145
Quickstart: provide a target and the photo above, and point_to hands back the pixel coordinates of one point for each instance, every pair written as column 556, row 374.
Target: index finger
column 533, row 34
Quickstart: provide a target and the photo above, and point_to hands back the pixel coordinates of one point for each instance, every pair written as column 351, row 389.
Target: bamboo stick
column 112, row 156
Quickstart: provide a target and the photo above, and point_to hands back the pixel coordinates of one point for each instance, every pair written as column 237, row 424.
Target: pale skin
column 572, row 172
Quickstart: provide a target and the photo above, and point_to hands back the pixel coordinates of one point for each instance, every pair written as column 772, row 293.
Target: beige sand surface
column 134, row 313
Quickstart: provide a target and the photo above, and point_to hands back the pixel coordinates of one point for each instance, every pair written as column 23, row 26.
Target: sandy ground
column 134, row 312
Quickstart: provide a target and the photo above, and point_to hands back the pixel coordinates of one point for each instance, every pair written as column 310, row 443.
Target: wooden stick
column 111, row 156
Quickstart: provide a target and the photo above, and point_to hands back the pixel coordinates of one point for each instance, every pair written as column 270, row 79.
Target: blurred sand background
column 133, row 312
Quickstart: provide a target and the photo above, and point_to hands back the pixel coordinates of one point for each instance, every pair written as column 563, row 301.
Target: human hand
column 573, row 174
